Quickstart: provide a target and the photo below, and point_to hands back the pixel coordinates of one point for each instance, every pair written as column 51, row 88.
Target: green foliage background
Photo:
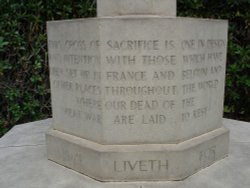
column 24, row 84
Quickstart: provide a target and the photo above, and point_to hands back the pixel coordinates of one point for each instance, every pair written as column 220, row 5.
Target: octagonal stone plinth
column 137, row 162
column 137, row 94
column 137, row 80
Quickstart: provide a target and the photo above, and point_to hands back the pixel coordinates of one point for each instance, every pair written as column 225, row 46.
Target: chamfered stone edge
column 149, row 162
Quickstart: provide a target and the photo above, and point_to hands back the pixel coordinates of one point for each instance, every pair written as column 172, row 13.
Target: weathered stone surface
column 135, row 7
column 137, row 162
column 137, row 94
column 134, row 80
column 25, row 165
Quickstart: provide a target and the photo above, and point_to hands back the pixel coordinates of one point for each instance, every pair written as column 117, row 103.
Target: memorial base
column 149, row 162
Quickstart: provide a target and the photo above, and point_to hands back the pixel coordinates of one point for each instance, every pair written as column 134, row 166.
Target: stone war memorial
column 137, row 93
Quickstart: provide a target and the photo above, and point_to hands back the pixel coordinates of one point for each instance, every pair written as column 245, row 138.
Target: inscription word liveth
column 137, row 94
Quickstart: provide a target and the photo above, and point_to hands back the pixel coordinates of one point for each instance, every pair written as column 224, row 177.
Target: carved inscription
column 133, row 45
column 208, row 155
column 121, row 166
column 201, row 66
column 142, row 79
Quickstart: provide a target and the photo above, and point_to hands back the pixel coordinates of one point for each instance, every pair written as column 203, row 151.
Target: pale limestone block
column 137, row 94
column 137, row 162
column 136, row 7
column 137, row 80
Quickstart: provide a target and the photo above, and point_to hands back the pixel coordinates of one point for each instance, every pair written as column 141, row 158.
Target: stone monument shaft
column 137, row 93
